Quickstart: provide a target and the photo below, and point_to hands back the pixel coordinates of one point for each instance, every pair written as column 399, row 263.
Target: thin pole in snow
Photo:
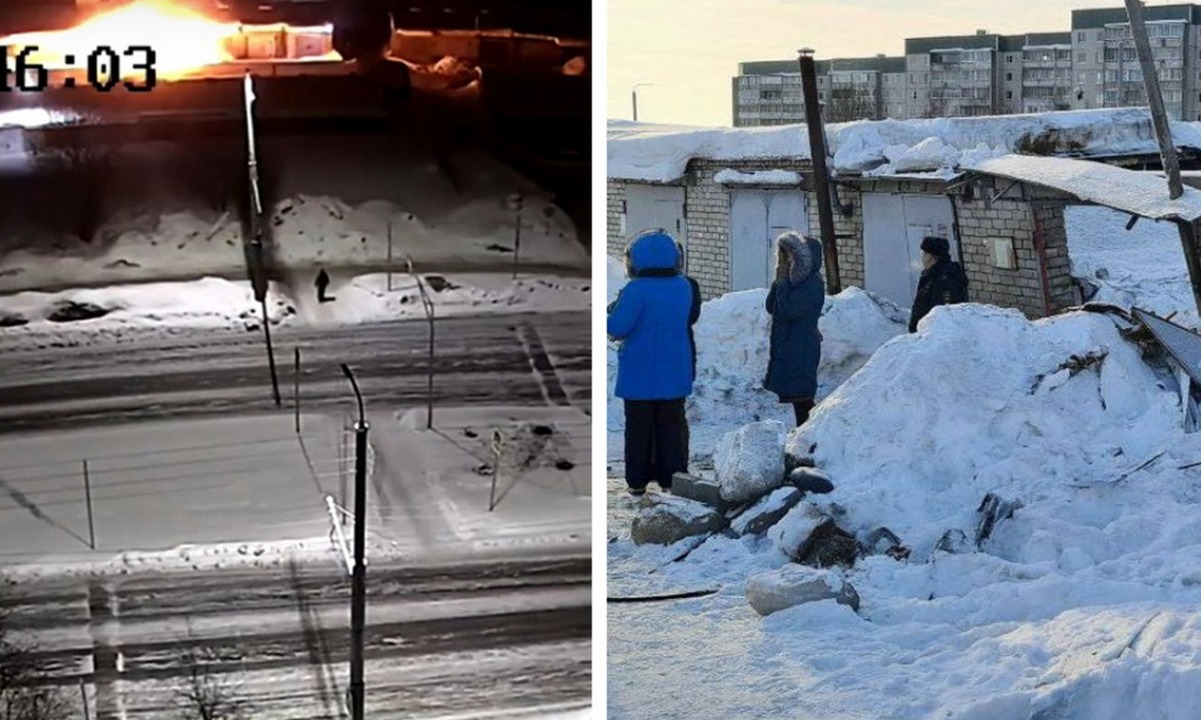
column 87, row 489
column 296, row 388
column 389, row 256
column 428, row 305
column 497, row 445
column 83, row 694
column 517, row 236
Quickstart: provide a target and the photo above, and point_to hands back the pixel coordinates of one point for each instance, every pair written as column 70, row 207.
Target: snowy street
column 538, row 358
column 468, row 640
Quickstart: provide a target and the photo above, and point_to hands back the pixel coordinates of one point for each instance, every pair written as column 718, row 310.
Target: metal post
column 258, row 272
column 1167, row 148
column 497, row 445
column 389, row 256
column 296, row 388
column 271, row 357
column 358, row 606
column 83, row 694
column 87, row 489
column 634, row 101
column 430, row 316
column 517, row 236
column 821, row 179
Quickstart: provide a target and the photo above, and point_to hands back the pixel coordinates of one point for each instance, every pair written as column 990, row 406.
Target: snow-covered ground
column 1143, row 266
column 1081, row 606
column 217, row 303
column 248, row 491
column 477, row 235
column 732, row 340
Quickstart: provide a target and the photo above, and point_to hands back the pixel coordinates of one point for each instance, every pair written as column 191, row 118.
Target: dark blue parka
column 651, row 319
column 795, row 305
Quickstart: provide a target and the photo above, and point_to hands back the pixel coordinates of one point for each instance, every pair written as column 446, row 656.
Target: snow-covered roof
column 660, row 153
column 1138, row 193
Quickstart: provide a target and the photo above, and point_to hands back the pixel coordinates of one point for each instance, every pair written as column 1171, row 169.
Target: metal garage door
column 652, row 207
column 757, row 217
column 893, row 228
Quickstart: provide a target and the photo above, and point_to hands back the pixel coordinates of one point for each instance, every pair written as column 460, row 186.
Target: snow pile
column 981, row 400
column 726, row 176
column 660, row 153
column 1141, row 267
column 1081, row 605
column 732, row 342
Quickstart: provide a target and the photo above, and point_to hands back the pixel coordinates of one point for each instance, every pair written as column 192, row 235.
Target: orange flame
column 182, row 40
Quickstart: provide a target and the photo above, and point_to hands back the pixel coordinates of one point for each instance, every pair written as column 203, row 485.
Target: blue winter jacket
column 650, row 317
column 795, row 305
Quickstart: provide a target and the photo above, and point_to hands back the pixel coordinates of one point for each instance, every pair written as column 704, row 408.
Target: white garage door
column 893, row 228
column 757, row 217
column 653, row 207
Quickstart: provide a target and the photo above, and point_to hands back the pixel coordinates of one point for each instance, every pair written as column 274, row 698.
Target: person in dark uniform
column 322, row 283
column 943, row 281
column 795, row 303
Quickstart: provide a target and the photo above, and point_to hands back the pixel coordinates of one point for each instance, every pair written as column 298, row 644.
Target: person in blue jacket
column 651, row 320
column 795, row 304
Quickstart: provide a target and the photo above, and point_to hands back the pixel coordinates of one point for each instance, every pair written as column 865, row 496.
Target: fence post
column 87, row 489
column 389, row 255
column 83, row 694
column 296, row 389
column 497, row 443
column 517, row 235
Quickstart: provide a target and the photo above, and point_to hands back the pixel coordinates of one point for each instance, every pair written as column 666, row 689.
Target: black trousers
column 801, row 409
column 656, row 442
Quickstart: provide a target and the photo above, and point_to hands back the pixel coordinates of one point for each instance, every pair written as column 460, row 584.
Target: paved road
column 450, row 640
column 454, row 640
column 531, row 359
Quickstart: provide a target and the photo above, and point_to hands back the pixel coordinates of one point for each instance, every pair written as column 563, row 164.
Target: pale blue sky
column 689, row 49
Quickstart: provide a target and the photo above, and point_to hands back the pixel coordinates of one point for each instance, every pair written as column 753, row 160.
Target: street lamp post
column 634, row 98
column 358, row 593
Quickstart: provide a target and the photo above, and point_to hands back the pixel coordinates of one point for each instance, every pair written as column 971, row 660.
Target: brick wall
column 616, row 194
column 1020, row 288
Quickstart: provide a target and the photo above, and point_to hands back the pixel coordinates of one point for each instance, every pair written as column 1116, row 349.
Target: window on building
column 1008, row 94
column 1080, row 36
column 1081, row 57
column 1008, row 77
column 915, row 95
column 1008, row 58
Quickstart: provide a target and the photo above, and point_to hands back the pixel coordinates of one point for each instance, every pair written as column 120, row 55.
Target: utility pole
column 821, row 177
column 358, row 592
column 1167, row 147
column 258, row 274
column 634, row 98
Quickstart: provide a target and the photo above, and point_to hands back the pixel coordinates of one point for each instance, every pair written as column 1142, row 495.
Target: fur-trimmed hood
column 805, row 253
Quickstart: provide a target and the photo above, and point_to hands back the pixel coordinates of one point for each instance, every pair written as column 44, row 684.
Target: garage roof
column 1137, row 193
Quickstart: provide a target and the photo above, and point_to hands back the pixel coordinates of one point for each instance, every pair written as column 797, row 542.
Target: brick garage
column 1031, row 219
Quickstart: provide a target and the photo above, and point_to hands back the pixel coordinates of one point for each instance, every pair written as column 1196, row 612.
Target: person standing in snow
column 795, row 304
column 695, row 313
column 942, row 282
column 322, row 283
column 650, row 318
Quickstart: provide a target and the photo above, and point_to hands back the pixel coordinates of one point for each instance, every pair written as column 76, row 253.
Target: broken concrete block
column 669, row 519
column 767, row 512
column 793, row 585
column 750, row 461
column 792, row 531
column 954, row 541
column 992, row 510
column 701, row 489
column 810, row 480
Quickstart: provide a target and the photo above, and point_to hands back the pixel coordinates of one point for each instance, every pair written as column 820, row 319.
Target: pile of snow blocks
column 754, row 488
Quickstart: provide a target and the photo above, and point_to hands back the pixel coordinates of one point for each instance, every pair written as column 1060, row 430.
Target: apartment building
column 769, row 92
column 1092, row 66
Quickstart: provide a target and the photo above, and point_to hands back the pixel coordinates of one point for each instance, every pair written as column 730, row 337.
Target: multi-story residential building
column 1107, row 69
column 769, row 92
column 1047, row 81
column 1094, row 65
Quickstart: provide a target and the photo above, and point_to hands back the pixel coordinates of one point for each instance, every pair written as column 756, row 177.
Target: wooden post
column 87, row 489
column 1167, row 148
column 821, row 175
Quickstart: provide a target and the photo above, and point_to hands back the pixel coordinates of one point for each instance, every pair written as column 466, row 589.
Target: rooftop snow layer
column 1138, row 193
column 660, row 153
